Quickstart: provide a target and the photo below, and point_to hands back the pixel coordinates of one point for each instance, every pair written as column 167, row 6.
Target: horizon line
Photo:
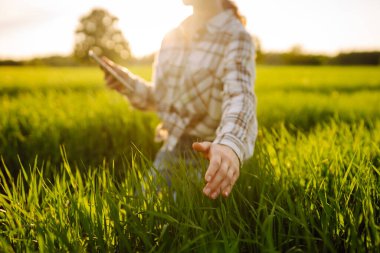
column 274, row 51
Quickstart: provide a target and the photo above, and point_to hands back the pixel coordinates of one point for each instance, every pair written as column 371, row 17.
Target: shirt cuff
column 232, row 142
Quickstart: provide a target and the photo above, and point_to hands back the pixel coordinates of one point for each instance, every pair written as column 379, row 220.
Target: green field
column 75, row 161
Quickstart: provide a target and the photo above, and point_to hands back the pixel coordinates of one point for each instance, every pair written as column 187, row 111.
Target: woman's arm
column 139, row 92
column 237, row 130
column 239, row 101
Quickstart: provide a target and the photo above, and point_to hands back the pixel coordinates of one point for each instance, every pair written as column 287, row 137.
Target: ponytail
column 230, row 4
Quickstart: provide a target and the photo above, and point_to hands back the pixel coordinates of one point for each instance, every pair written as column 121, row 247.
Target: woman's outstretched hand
column 223, row 170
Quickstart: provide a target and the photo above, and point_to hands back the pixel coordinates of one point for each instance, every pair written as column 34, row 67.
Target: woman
column 202, row 90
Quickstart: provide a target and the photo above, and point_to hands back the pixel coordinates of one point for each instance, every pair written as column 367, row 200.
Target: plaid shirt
column 203, row 86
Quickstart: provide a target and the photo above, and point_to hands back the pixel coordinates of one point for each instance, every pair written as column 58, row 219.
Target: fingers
column 108, row 78
column 203, row 147
column 108, row 61
column 112, row 82
column 223, row 171
column 226, row 192
column 212, row 188
column 112, row 65
column 220, row 175
column 227, row 188
column 215, row 164
column 227, row 183
column 222, row 182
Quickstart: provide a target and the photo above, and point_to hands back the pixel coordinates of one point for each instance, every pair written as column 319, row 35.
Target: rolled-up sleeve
column 238, row 126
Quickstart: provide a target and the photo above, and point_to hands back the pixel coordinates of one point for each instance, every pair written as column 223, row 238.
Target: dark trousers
column 166, row 162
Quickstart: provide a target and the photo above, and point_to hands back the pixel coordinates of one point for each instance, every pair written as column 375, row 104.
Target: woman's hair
column 230, row 4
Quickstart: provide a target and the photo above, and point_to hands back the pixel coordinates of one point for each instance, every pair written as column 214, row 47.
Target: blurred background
column 52, row 96
column 286, row 32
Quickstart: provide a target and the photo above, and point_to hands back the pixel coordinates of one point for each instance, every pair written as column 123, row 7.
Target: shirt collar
column 212, row 25
column 219, row 21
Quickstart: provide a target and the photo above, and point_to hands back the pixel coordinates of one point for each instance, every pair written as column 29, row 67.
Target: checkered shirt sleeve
column 238, row 126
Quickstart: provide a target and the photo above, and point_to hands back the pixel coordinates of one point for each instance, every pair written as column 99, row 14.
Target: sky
column 44, row 27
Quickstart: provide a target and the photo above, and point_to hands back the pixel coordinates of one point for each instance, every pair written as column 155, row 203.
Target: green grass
column 19, row 80
column 324, row 198
column 68, row 105
column 325, row 79
column 92, row 126
column 312, row 185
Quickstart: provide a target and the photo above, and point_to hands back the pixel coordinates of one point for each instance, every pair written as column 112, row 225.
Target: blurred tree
column 296, row 50
column 98, row 31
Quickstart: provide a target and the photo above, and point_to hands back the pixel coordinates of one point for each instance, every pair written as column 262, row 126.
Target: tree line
column 297, row 57
column 98, row 31
column 287, row 58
